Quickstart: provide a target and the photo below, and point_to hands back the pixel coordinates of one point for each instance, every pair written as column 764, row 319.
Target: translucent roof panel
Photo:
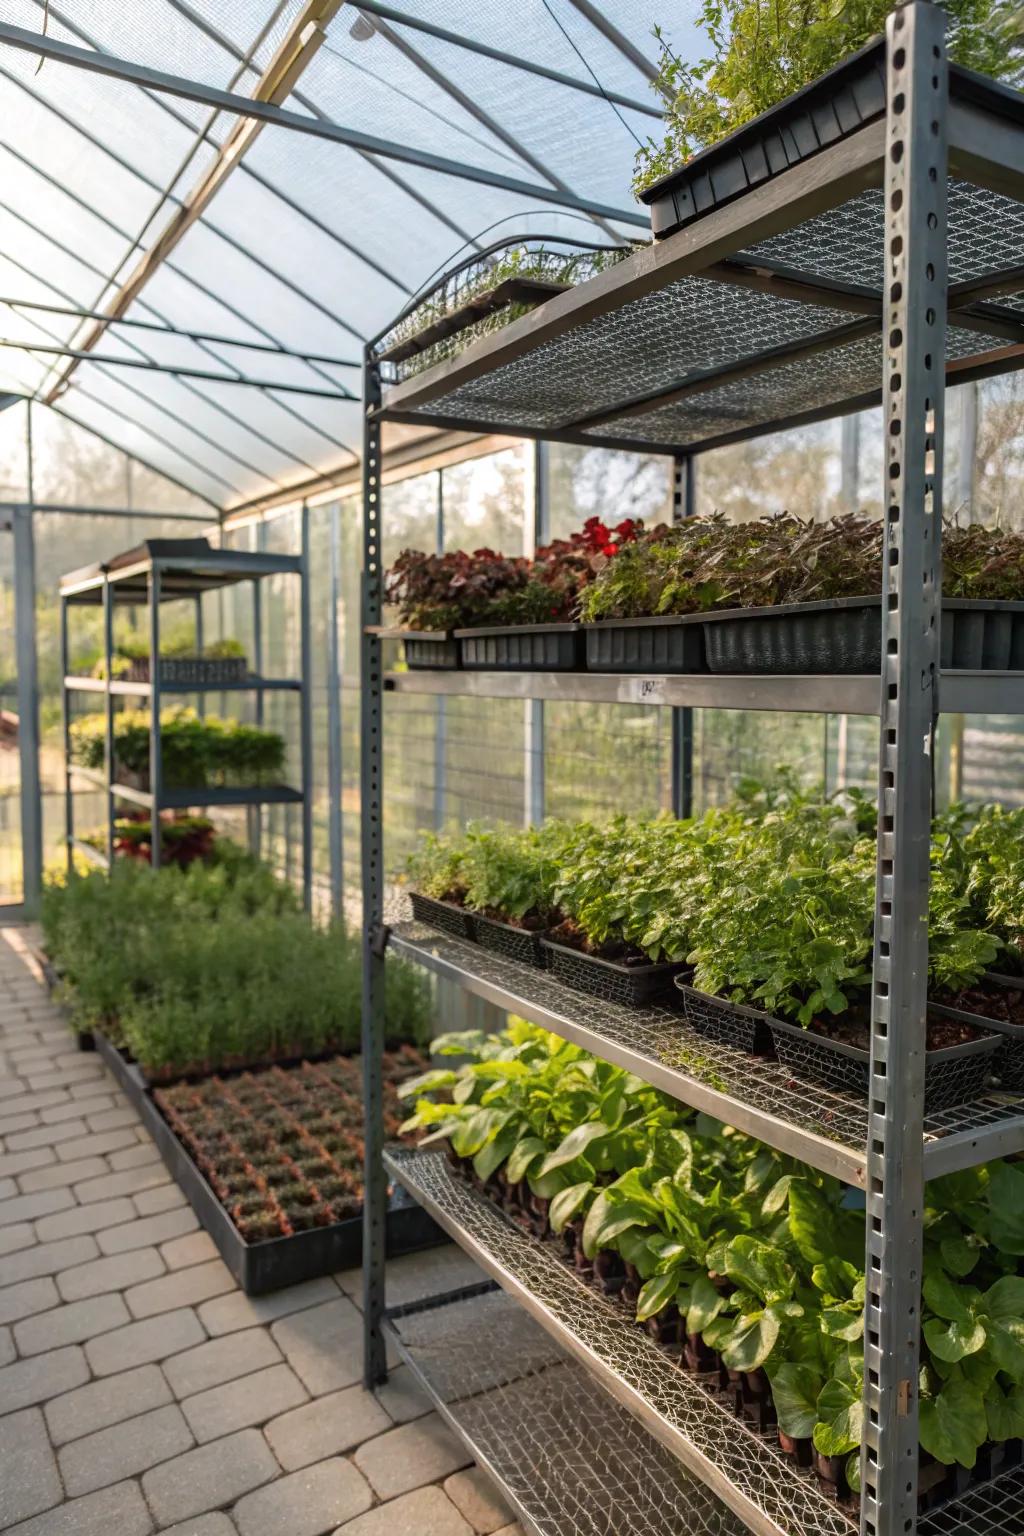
column 309, row 246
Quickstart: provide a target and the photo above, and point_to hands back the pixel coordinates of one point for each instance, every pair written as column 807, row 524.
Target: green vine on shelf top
column 761, row 51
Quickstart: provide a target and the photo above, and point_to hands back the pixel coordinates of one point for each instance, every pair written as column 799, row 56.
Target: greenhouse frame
column 310, row 301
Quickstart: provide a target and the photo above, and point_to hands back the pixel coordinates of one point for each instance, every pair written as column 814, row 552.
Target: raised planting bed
column 522, row 648
column 667, row 643
column 434, row 650
column 844, row 635
column 630, row 979
column 271, row 1162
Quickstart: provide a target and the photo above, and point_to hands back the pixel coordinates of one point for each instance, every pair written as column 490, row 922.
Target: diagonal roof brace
column 297, row 48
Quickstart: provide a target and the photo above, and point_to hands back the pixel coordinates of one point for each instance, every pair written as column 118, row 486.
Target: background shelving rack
column 170, row 570
column 855, row 245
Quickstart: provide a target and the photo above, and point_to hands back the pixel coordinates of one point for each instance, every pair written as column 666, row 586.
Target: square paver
column 185, row 1288
column 149, row 1202
column 477, row 1499
column 146, row 1231
column 427, row 1512
column 118, row 1511
column 108, row 1401
column 237, row 1404
column 324, row 1345
column 210, row 1477
column 326, row 1427
column 124, row 1450
column 225, row 1359
column 407, row 1457
column 32, row 1381
column 140, row 1343
column 112, row 1274
column 30, row 1482
column 402, row 1397
column 193, row 1248
column 70, row 1324
column 227, row 1314
column 306, row 1503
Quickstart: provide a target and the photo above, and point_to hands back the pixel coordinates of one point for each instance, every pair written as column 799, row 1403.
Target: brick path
column 140, row 1390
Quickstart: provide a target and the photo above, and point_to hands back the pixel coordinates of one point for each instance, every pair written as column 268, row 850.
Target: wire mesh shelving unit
column 173, row 570
column 820, row 261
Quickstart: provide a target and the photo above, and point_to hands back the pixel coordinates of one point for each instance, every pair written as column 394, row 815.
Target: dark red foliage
column 282, row 1148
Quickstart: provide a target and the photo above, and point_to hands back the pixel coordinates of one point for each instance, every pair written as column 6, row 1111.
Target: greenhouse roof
column 197, row 284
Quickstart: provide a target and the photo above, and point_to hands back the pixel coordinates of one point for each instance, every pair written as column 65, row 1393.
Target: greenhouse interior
column 512, row 768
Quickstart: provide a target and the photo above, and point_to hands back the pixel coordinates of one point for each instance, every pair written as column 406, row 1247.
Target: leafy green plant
column 761, row 53
column 195, row 751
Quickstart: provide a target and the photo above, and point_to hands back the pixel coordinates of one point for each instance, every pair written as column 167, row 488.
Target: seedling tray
column 733, row 1024
column 433, row 650
column 632, row 986
column 668, row 643
column 522, row 648
column 281, row 1261
column 1008, row 1061
column 845, row 636
column 952, row 1076
column 514, row 943
column 831, row 107
column 444, row 915
column 511, row 290
column 204, row 671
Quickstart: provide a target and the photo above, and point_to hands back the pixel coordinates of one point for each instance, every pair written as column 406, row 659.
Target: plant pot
column 732, row 1024
column 444, row 915
column 832, row 1472
column 522, row 648
column 836, row 104
column 609, row 1271
column 698, row 1356
column 844, row 635
column 670, row 644
column 632, row 986
column 802, row 1451
column 666, row 1326
column 1008, row 1062
column 509, row 941
column 953, row 1075
column 430, row 650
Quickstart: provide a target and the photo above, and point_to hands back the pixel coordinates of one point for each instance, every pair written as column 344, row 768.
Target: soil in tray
column 854, row 1029
column 530, row 922
column 282, row 1149
column 1004, row 1004
column 616, row 950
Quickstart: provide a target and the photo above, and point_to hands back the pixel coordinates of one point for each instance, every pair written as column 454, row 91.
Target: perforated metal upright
column 914, row 327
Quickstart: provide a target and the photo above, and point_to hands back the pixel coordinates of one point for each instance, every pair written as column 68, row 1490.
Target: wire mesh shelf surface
column 569, row 1459
column 743, row 1467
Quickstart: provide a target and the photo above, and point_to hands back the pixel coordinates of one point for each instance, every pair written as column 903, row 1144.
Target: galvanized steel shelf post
column 808, row 267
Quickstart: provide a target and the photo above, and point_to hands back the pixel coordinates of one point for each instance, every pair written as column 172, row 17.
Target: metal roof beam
column 167, row 329
column 133, row 421
column 299, row 45
column 245, row 106
column 458, row 40
column 599, row 21
column 84, row 355
column 466, row 102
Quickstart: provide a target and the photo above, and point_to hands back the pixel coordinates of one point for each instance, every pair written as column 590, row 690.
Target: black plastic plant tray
column 511, row 290
column 1008, row 1062
column 632, row 986
column 952, row 1076
column 845, row 636
column 437, row 651
column 514, row 943
column 522, row 648
column 670, row 644
column 734, row 1024
column 204, row 671
column 281, row 1261
column 836, row 104
column 444, row 915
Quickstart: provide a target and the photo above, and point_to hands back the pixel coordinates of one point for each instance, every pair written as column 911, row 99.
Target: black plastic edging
column 281, row 1261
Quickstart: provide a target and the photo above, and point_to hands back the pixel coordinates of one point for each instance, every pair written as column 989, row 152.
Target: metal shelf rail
column 881, row 267
column 170, row 570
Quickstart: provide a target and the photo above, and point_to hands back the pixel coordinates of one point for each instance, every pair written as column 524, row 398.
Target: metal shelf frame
column 881, row 267
column 172, row 570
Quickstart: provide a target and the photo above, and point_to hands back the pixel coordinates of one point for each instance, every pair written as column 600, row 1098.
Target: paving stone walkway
column 140, row 1389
